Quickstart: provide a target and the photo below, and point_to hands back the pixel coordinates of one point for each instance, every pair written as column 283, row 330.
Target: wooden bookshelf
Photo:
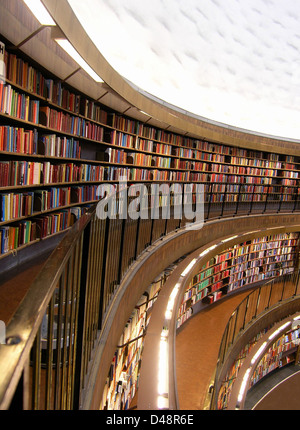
column 279, row 354
column 52, row 135
column 244, row 264
column 122, row 382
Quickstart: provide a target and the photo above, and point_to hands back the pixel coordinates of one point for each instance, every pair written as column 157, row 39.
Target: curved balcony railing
column 252, row 307
column 50, row 339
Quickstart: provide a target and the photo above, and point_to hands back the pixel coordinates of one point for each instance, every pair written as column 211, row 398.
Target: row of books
column 122, row 381
column 255, row 162
column 56, row 146
column 238, row 266
column 24, row 75
column 70, row 124
column 90, row 109
column 123, row 123
column 18, row 205
column 25, row 232
column 18, row 140
column 69, row 147
column 228, row 382
column 32, row 80
column 61, row 96
column 144, row 145
column 14, row 173
column 18, row 105
column 122, row 139
column 258, row 277
column 276, row 356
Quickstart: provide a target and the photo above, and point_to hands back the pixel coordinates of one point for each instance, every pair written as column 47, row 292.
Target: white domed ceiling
column 235, row 61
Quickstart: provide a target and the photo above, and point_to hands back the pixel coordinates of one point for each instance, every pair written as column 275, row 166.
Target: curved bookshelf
column 266, row 356
column 45, row 121
column 245, row 264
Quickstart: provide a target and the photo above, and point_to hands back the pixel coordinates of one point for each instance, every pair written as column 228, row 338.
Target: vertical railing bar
column 210, row 197
column 238, row 199
column 102, row 304
column 97, row 269
column 80, row 346
column 280, row 202
column 36, row 371
column 283, row 288
column 247, row 303
column 69, row 336
column 49, row 355
column 58, row 341
column 270, row 296
column 223, row 202
column 296, row 199
column 113, row 256
column 89, row 295
column 26, row 385
column 100, row 257
column 75, row 396
column 122, row 249
column 252, row 197
column 74, row 301
column 64, row 390
column 297, row 282
column 235, row 324
column 266, row 202
column 257, row 301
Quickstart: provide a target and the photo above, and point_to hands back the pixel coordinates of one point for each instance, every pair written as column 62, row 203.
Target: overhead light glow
column 243, row 385
column 40, row 12
column 189, row 267
column 66, row 45
column 279, row 330
column 228, row 239
column 171, row 301
column 259, row 351
column 163, row 366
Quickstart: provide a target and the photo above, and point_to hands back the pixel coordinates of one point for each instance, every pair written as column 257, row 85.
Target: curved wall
column 151, row 263
column 130, row 101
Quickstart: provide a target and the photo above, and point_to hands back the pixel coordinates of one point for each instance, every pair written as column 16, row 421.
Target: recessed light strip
column 40, row 12
column 66, row 45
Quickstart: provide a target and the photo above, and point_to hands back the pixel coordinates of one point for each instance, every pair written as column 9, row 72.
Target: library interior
column 149, row 205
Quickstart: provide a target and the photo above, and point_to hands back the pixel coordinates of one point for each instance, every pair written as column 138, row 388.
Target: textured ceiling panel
column 232, row 61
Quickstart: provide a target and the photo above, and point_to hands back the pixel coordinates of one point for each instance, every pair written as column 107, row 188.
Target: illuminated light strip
column 229, row 238
column 189, row 267
column 163, row 372
column 279, row 330
column 66, row 45
column 243, row 385
column 259, row 351
column 207, row 250
column 40, row 12
column 171, row 301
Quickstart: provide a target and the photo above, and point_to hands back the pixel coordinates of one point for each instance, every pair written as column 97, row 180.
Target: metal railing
column 50, row 339
column 253, row 306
